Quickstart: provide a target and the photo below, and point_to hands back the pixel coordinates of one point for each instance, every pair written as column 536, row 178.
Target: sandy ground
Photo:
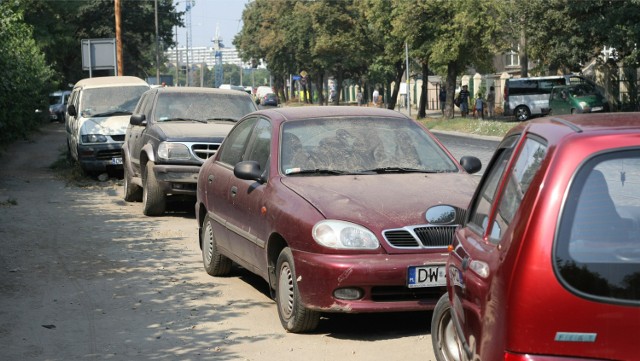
column 85, row 276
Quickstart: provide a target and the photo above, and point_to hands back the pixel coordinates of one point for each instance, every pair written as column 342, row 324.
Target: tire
column 444, row 338
column 522, row 113
column 154, row 200
column 215, row 263
column 132, row 193
column 293, row 315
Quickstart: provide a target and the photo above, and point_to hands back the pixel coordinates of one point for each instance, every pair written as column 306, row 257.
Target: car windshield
column 55, row 99
column 362, row 145
column 101, row 102
column 201, row 107
column 581, row 90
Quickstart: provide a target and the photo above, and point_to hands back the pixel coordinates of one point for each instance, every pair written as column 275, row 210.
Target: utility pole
column 157, row 47
column 118, row 39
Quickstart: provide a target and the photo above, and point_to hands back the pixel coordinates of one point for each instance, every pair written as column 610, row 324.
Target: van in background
column 527, row 97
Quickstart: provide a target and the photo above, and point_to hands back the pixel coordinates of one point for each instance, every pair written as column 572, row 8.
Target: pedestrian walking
column 443, row 98
column 491, row 101
column 479, row 107
column 464, row 100
column 359, row 97
column 374, row 97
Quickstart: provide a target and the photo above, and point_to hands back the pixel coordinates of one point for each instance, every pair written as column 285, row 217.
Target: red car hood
column 386, row 200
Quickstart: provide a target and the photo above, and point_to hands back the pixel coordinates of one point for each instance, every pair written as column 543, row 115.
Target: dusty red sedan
column 547, row 264
column 328, row 205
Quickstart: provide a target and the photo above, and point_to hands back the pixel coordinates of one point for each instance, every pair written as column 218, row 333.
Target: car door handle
column 234, row 191
column 210, row 178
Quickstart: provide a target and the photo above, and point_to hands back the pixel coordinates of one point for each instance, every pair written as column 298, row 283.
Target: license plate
column 596, row 109
column 116, row 161
column 427, row 276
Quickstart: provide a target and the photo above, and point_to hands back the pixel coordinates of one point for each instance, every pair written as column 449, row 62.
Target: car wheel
column 132, row 193
column 446, row 344
column 522, row 113
column 215, row 263
column 293, row 315
column 153, row 199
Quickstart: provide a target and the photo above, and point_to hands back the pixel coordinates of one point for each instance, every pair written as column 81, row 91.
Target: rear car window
column 597, row 251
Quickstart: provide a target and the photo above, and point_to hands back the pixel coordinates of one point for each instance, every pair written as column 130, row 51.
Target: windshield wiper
column 114, row 112
column 400, row 170
column 224, row 119
column 184, row 120
column 318, row 171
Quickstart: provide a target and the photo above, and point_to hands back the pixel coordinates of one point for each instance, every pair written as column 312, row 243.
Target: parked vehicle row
column 357, row 209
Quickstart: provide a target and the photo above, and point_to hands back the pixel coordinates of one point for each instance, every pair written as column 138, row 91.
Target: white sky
column 206, row 15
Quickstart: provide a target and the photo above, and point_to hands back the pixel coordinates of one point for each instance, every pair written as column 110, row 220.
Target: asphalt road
column 460, row 145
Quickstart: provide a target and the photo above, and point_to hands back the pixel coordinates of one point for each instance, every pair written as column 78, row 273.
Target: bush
column 25, row 76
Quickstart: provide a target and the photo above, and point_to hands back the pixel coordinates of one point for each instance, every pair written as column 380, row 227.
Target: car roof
column 61, row 92
column 199, row 90
column 106, row 81
column 316, row 111
column 554, row 128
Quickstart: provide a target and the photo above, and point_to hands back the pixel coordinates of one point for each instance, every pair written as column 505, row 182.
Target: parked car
column 327, row 204
column 578, row 98
column 547, row 263
column 97, row 117
column 58, row 105
column 261, row 91
column 269, row 99
column 171, row 133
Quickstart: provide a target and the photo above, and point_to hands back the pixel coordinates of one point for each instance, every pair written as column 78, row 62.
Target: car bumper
column 382, row 278
column 177, row 179
column 100, row 157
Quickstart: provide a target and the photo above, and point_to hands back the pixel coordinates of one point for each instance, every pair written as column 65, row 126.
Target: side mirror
column 471, row 164
column 248, row 170
column 138, row 119
column 441, row 215
column 71, row 109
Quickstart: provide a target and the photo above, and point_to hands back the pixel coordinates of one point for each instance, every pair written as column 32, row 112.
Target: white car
column 97, row 118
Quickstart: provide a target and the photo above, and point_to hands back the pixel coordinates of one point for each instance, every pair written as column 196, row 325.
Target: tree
column 61, row 25
column 25, row 76
column 466, row 38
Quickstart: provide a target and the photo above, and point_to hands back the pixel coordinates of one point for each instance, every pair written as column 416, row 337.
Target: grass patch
column 69, row 171
column 9, row 202
column 496, row 128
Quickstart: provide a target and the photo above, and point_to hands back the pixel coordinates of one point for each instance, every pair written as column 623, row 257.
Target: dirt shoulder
column 84, row 275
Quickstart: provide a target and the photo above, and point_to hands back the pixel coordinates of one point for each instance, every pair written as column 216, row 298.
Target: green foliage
column 25, row 77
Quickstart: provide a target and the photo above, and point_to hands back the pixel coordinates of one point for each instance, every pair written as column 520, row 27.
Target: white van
column 527, row 97
column 97, row 118
column 262, row 91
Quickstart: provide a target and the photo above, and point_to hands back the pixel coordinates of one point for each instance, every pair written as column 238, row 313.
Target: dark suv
column 171, row 133
column 546, row 266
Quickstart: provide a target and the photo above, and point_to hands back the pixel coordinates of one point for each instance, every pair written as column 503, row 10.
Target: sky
column 206, row 15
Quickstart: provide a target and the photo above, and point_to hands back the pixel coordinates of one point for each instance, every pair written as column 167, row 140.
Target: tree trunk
column 399, row 66
column 524, row 58
column 422, row 111
column 452, row 73
column 320, row 87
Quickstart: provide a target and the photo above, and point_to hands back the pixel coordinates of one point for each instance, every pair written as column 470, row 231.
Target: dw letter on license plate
column 427, row 276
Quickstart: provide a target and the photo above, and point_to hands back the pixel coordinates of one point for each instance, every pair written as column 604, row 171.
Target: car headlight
column 173, row 151
column 584, row 105
column 94, row 138
column 344, row 235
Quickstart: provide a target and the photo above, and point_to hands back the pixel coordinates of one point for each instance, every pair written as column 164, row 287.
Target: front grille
column 108, row 154
column 425, row 236
column 399, row 293
column 204, row 150
column 118, row 137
